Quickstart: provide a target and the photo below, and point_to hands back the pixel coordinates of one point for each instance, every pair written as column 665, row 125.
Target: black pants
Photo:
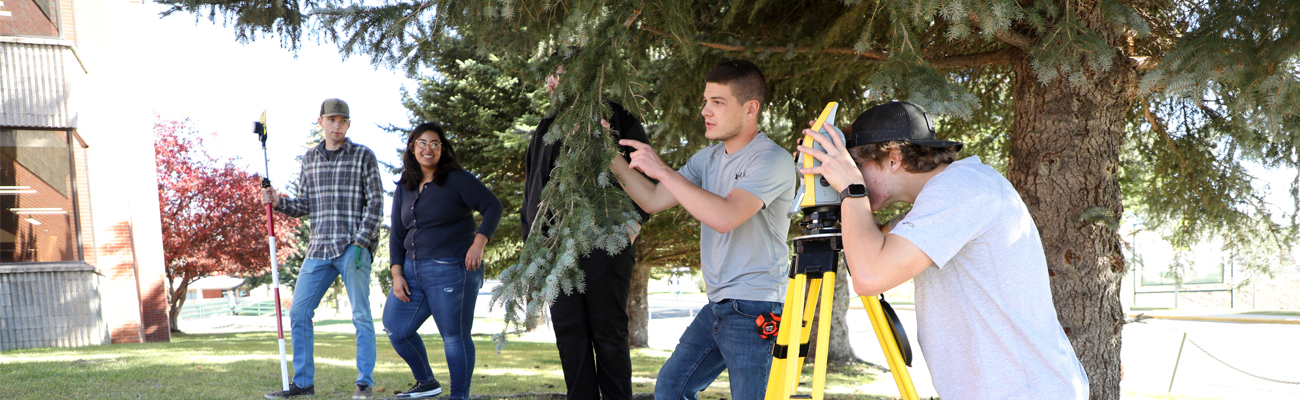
column 591, row 329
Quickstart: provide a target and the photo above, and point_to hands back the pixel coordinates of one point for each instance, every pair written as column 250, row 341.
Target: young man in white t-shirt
column 984, row 311
column 740, row 190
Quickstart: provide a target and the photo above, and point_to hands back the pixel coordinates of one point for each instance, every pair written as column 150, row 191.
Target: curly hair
column 916, row 158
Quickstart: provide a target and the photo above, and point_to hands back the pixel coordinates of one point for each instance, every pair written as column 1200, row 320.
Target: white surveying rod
column 259, row 128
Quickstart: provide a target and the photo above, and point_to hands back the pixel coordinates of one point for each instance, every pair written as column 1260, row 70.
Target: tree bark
column 177, row 302
column 638, row 312
column 1065, row 149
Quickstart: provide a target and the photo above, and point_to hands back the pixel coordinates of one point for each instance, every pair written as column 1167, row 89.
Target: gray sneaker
column 364, row 392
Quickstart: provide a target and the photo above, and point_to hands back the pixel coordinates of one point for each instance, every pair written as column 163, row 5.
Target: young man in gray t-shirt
column 984, row 310
column 740, row 190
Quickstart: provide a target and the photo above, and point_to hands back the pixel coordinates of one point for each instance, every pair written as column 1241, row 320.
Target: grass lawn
column 1289, row 313
column 1279, row 312
column 246, row 365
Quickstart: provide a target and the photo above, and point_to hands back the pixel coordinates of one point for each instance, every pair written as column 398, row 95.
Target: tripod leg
column 824, row 314
column 775, row 377
column 782, row 380
column 809, row 310
column 885, row 333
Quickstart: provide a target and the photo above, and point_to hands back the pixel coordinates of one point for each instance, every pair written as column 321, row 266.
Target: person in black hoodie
column 591, row 329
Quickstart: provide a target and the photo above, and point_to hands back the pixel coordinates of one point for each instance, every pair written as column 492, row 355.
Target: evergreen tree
column 1159, row 103
column 489, row 105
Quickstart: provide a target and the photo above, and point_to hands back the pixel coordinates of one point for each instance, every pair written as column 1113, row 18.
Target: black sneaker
column 426, row 389
column 294, row 390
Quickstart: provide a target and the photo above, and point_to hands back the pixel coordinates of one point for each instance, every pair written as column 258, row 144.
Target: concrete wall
column 122, row 175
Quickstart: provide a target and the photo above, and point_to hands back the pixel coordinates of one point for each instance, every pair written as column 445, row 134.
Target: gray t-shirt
column 751, row 261
column 984, row 311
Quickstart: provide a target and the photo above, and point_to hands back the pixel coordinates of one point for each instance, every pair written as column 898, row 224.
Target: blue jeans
column 314, row 279
column 722, row 337
column 441, row 288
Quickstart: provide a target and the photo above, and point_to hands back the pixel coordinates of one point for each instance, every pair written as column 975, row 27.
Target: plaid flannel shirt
column 343, row 197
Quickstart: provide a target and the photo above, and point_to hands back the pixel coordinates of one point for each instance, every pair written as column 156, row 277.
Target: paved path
column 1263, row 345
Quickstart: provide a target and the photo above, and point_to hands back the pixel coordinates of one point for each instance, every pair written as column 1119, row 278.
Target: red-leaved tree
column 213, row 222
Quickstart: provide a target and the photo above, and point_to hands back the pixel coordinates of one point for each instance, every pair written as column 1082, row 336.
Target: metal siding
column 49, row 309
column 34, row 86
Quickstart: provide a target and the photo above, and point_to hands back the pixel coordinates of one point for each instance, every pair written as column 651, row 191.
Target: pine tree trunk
column 638, row 312
column 1065, row 149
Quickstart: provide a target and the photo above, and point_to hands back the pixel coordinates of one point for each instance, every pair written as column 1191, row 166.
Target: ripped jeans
column 441, row 288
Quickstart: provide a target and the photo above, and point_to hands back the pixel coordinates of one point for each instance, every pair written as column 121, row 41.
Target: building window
column 48, row 7
column 38, row 216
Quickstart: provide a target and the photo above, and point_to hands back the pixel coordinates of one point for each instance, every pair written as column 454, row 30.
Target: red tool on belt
column 769, row 325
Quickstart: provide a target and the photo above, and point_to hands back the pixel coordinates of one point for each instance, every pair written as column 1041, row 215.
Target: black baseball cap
column 896, row 120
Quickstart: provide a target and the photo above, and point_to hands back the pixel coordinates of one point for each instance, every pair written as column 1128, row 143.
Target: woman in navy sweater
column 437, row 258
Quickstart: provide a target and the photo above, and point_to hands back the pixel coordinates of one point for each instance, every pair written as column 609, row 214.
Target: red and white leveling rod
column 259, row 127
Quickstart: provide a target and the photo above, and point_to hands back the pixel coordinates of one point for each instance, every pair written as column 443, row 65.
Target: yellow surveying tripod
column 812, row 277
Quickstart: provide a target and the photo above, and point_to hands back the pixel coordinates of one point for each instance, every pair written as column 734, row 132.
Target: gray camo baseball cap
column 333, row 107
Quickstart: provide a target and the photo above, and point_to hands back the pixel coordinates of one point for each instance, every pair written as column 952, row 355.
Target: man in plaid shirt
column 339, row 189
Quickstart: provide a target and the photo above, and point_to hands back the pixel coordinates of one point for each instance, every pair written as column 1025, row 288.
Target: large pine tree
column 489, row 105
column 1088, row 100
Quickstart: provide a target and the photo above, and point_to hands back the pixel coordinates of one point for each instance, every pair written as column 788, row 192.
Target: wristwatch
column 854, row 190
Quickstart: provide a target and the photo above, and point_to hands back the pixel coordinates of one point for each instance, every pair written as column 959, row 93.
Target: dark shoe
column 364, row 392
column 426, row 389
column 294, row 390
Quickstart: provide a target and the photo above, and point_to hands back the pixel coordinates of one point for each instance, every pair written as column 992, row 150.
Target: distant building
column 81, row 260
column 216, row 287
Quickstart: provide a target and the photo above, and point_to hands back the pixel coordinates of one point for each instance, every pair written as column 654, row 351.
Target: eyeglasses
column 421, row 143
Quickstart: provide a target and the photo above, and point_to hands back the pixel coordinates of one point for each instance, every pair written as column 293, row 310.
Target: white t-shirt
column 984, row 311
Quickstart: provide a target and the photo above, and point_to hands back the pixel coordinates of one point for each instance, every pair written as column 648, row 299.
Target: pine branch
column 1157, row 126
column 630, row 20
column 995, row 57
column 1146, row 63
column 1014, row 39
column 869, row 54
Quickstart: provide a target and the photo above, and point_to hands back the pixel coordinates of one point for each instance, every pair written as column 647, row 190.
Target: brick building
column 81, row 259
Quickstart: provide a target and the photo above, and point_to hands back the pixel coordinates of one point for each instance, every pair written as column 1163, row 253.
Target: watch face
column 856, row 190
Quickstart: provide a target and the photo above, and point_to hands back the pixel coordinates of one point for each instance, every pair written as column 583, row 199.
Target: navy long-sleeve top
column 438, row 221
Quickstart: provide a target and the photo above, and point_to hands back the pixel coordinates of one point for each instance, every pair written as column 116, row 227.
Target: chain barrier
column 1198, row 347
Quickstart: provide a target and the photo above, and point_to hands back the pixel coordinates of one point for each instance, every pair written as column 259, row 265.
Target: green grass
column 1164, row 396
column 246, row 365
column 1292, row 313
column 1284, row 313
